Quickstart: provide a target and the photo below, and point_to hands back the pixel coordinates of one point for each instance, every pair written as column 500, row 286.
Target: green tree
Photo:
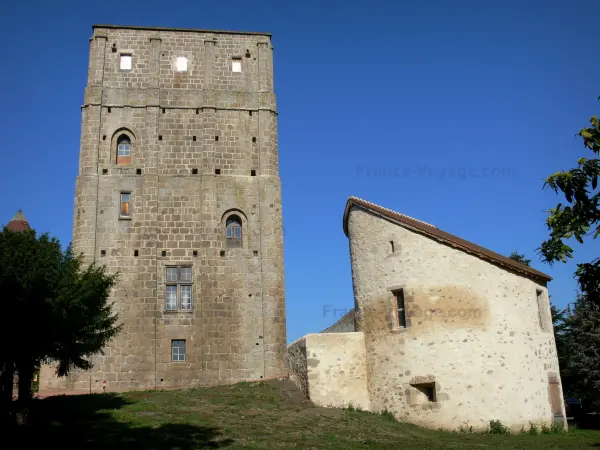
column 579, row 218
column 54, row 310
column 520, row 257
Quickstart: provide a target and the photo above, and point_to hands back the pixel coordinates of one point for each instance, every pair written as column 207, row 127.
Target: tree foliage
column 54, row 309
column 579, row 218
column 520, row 257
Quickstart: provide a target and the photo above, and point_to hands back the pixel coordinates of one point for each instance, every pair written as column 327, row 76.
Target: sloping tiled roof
column 18, row 222
column 435, row 233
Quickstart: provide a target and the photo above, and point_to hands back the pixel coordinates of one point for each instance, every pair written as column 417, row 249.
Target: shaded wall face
column 473, row 331
column 203, row 146
column 330, row 369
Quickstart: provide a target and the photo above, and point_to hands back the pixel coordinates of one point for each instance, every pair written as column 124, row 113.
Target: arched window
column 234, row 232
column 123, row 150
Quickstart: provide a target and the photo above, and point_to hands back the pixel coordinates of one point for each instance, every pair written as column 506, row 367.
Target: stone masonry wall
column 473, row 331
column 185, row 127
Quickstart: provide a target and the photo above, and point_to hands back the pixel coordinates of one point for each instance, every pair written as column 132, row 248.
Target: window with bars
column 178, row 350
column 125, row 205
column 178, row 288
column 234, row 232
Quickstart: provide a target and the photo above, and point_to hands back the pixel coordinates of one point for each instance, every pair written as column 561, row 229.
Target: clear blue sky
column 378, row 99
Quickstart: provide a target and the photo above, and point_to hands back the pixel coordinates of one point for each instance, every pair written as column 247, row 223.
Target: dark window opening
column 104, row 171
column 400, row 307
column 164, row 253
column 103, row 137
column 163, row 110
column 222, row 252
column 392, row 246
column 138, row 171
column 216, row 138
column 194, row 171
column 250, row 112
column 194, row 138
column 160, row 137
column 253, row 139
column 197, row 111
column 234, row 232
column 102, row 252
column 109, row 110
column 217, row 171
column 195, row 253
column 136, row 253
column 253, row 173
column 428, row 389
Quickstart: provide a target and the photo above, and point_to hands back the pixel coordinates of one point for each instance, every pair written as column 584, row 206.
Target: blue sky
column 451, row 112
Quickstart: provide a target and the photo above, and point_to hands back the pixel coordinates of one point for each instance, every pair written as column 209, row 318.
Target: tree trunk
column 6, row 394
column 25, row 371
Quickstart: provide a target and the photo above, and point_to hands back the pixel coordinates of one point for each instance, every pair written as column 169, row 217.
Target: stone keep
column 178, row 140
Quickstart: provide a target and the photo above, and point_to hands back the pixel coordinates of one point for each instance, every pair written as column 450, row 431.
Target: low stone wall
column 331, row 369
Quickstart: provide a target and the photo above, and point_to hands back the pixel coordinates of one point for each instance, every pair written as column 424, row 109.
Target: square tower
column 179, row 192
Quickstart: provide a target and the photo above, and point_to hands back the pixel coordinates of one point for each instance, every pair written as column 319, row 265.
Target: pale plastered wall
column 474, row 330
column 331, row 369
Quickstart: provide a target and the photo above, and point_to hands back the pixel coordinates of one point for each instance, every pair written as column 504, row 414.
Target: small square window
column 181, row 64
column 186, row 274
column 125, row 204
column 125, row 63
column 178, row 350
column 236, row 64
column 428, row 389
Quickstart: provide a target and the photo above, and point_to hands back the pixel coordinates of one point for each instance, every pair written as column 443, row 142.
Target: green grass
column 242, row 416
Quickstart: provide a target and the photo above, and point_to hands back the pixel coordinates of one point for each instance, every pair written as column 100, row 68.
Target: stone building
column 178, row 190
column 444, row 333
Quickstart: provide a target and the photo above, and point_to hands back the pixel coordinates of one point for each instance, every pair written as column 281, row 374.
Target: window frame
column 179, row 348
column 400, row 308
column 128, row 215
column 179, row 283
column 184, row 61
column 234, row 223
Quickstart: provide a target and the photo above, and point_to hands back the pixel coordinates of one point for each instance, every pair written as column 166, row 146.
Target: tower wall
column 184, row 127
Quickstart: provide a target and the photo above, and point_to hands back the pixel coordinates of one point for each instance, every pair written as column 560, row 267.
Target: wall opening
column 125, row 62
column 392, row 247
column 428, row 389
column 400, row 307
column 236, row 64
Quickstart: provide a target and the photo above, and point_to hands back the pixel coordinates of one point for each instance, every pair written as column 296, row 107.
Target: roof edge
column 445, row 238
column 192, row 30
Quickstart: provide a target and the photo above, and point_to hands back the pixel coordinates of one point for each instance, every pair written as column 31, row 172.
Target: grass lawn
column 242, row 416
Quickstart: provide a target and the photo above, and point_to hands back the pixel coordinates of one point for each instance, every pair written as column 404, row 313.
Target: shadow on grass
column 84, row 422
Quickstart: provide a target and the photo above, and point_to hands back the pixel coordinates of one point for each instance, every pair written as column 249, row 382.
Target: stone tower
column 178, row 190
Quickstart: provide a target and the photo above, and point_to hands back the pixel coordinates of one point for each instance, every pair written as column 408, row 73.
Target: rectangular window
column 171, row 298
column 178, row 350
column 125, row 63
column 236, row 64
column 125, row 204
column 399, row 294
column 182, row 64
column 179, row 288
column 541, row 308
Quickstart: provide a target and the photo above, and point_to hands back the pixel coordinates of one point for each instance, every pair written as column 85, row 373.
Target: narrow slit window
column 401, row 309
column 171, row 298
column 125, row 63
column 236, row 64
column 391, row 246
column 125, row 204
column 540, row 308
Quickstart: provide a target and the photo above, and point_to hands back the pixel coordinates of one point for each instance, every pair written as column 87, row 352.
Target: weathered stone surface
column 236, row 328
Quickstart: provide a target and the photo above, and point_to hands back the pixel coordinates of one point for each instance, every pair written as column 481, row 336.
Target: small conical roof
column 19, row 216
column 18, row 222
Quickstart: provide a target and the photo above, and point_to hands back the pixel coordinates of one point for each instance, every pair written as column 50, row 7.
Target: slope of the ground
column 265, row 415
